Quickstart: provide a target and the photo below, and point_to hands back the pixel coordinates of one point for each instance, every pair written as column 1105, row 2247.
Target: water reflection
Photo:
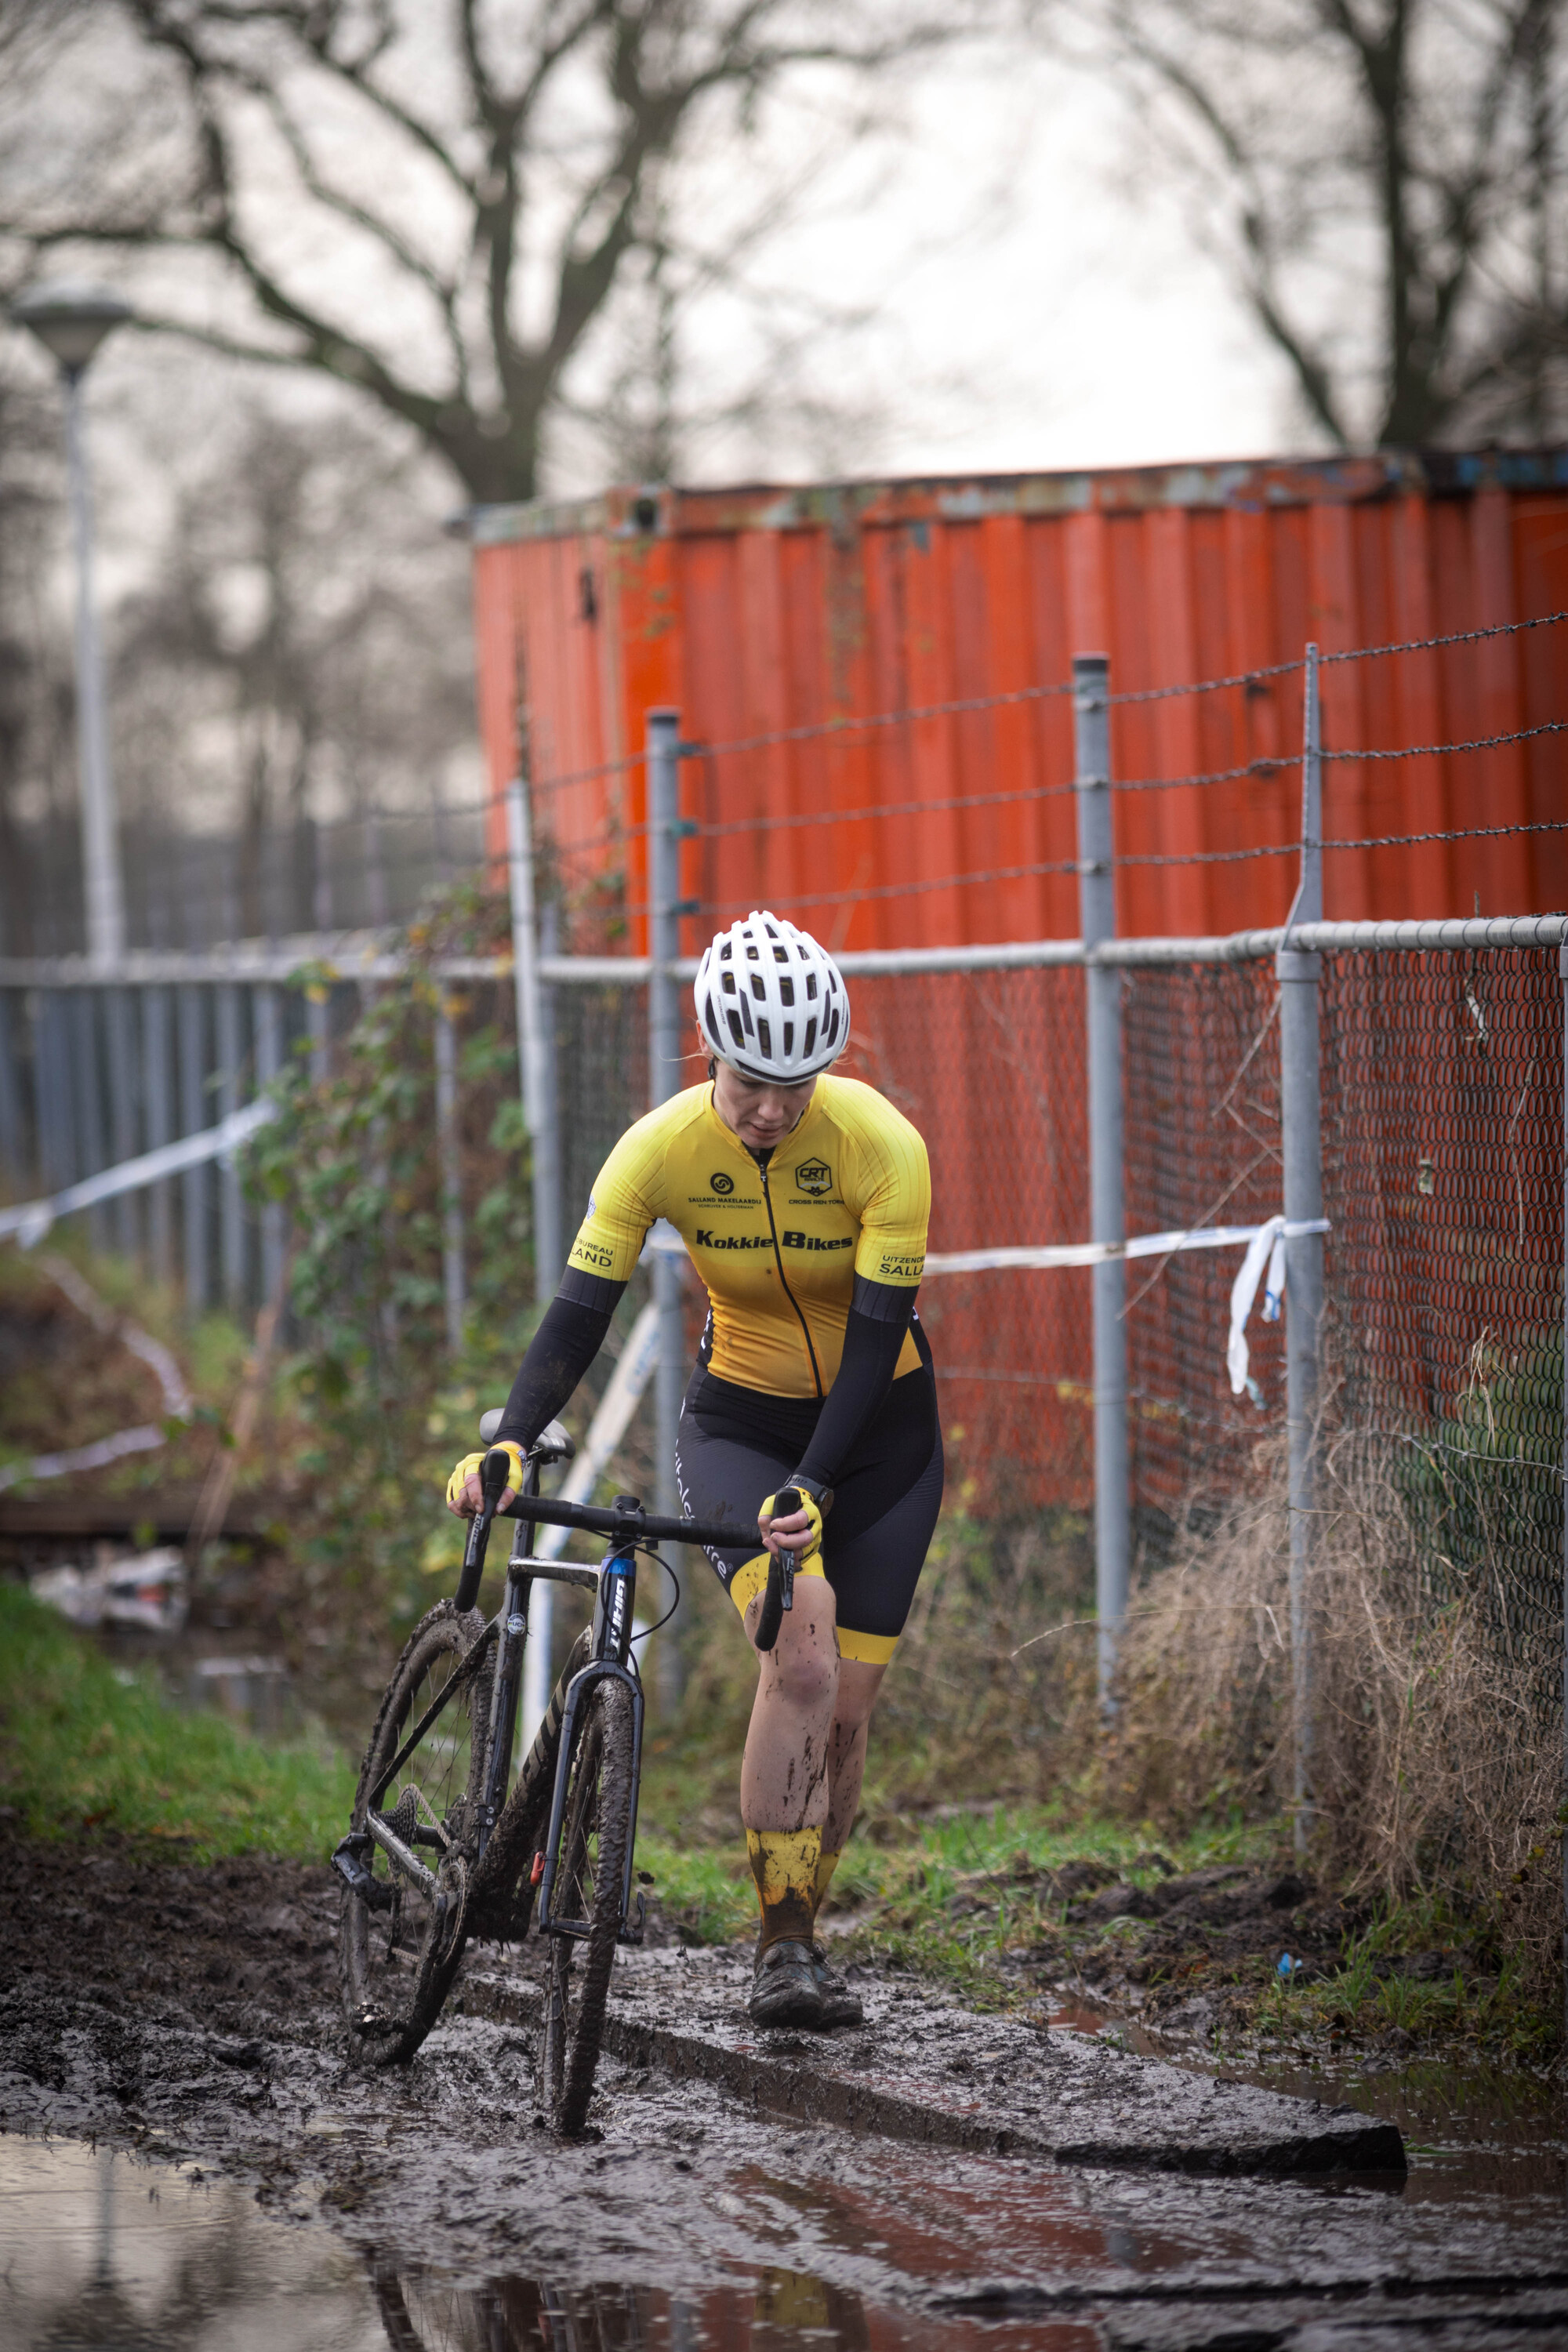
column 103, row 2253
column 99, row 2251
column 779, row 2311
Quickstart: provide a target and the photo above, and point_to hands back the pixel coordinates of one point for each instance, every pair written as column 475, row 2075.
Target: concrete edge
column 1336, row 2144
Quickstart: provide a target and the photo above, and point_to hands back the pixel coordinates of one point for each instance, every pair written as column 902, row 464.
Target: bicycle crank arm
column 405, row 1856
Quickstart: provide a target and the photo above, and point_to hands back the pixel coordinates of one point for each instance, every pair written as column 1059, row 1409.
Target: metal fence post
column 1301, row 1136
column 231, row 1205
column 664, row 1080
column 122, row 1066
column 268, row 1015
column 158, row 1097
column 534, row 1058
column 1102, row 988
column 51, row 1072
column 449, row 1160
column 85, row 1076
column 192, row 1120
column 1562, row 973
column 13, row 1141
column 541, row 1112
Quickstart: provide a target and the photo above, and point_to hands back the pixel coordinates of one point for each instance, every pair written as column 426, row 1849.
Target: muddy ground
column 1187, row 1953
column 191, row 2012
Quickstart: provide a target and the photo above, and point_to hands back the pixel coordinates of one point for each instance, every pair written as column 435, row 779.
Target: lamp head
column 70, row 319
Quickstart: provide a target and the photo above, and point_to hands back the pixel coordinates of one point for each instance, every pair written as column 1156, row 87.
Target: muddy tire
column 589, row 1880
column 399, row 1950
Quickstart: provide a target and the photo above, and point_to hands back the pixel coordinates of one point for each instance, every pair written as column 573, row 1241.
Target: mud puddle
column 1467, row 2126
column 187, row 2021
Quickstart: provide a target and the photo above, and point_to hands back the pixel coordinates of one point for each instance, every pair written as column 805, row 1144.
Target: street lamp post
column 71, row 321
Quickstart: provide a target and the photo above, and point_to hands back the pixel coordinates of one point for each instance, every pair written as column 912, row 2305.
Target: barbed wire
column 1265, row 765
column 1372, row 841
column 961, row 706
column 1456, row 637
column 891, row 890
column 1206, row 684
column 1435, row 751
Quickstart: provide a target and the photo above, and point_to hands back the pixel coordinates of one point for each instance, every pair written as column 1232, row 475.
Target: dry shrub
column 1436, row 1751
column 967, row 1712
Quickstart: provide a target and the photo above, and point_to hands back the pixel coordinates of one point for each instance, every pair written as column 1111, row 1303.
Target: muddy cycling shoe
column 839, row 2005
column 784, row 1990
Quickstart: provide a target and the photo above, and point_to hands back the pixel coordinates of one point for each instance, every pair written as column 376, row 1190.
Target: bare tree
column 300, row 648
column 441, row 207
column 1381, row 181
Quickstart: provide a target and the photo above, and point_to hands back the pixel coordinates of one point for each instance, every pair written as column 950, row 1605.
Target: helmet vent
column 764, row 1038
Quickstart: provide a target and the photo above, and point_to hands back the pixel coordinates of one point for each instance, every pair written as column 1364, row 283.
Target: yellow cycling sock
column 826, row 1864
column 784, row 1865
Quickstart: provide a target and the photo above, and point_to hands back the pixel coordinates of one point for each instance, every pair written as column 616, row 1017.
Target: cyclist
column 803, row 1201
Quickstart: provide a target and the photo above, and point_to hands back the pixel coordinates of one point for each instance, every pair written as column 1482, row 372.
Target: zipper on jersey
column 778, row 1260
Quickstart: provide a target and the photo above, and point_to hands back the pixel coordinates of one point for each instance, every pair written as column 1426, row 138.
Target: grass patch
column 1439, row 1969
column 82, row 1749
column 955, row 1898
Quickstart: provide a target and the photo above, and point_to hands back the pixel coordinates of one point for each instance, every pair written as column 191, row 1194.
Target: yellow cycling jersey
column 848, row 1192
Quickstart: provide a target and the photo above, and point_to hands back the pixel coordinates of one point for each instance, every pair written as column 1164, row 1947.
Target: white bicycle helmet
column 771, row 1003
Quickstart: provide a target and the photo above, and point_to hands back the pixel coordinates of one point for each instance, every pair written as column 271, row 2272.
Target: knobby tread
column 443, row 1630
column 604, row 1754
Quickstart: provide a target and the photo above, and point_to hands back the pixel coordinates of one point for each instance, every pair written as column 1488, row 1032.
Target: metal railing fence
column 1406, row 1082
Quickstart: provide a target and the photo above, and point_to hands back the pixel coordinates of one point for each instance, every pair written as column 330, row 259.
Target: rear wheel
column 403, row 1924
column 589, row 1881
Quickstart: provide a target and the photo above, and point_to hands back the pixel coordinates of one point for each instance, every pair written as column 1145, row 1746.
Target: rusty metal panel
column 781, row 620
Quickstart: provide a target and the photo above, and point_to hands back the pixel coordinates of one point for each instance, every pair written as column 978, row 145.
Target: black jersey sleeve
column 873, row 1337
column 570, row 1336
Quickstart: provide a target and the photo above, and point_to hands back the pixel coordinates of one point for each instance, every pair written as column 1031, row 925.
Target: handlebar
column 627, row 1521
column 624, row 1522
column 779, row 1594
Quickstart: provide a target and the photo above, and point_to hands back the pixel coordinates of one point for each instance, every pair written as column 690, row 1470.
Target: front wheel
column 403, row 1921
column 590, row 1880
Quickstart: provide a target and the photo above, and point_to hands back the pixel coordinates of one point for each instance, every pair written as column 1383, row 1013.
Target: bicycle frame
column 615, row 1582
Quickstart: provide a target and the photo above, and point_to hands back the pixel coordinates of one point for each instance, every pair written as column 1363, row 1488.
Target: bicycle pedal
column 349, row 1860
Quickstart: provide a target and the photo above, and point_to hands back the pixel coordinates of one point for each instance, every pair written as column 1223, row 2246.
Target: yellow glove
column 813, row 1509
column 472, row 1462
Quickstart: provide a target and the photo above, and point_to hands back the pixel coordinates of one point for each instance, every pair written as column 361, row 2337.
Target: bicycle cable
column 648, row 1553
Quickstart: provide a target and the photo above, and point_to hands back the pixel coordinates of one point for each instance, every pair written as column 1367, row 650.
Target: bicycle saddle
column 553, row 1444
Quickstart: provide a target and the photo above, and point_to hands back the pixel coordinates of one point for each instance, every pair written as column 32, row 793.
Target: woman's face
column 761, row 1113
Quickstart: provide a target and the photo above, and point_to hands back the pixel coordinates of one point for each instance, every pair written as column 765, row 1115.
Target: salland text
column 900, row 1269
column 592, row 1254
column 706, row 1240
column 814, row 1242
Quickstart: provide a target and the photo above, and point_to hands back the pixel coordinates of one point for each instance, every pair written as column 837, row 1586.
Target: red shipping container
column 799, row 615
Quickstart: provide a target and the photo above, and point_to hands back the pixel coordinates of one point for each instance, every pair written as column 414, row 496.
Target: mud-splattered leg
column 783, row 1777
column 857, row 1695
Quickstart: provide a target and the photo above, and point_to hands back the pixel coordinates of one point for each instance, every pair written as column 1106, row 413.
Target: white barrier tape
column 98, row 1312
column 32, row 1219
column 608, row 1426
column 84, row 1457
column 145, row 1439
column 1102, row 1253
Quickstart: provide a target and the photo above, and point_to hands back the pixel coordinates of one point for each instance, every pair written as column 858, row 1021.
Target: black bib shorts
column 738, row 1446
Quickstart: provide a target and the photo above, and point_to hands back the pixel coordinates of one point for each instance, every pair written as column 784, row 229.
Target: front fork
column 611, row 1662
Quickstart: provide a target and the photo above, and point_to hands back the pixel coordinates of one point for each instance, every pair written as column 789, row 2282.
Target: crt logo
column 815, row 1177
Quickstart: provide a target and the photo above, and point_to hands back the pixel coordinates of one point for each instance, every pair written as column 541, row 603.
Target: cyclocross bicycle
column 437, row 1851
